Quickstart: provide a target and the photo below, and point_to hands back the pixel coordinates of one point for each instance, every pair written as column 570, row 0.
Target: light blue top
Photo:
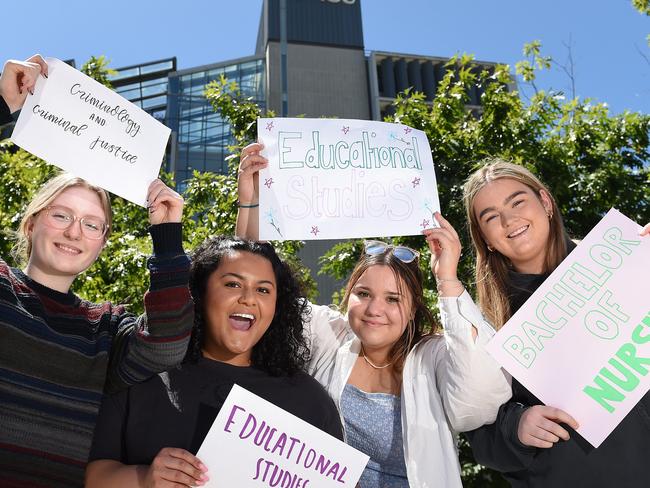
column 373, row 425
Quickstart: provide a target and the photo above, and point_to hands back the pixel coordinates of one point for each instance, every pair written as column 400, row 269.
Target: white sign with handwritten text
column 255, row 443
column 83, row 127
column 341, row 178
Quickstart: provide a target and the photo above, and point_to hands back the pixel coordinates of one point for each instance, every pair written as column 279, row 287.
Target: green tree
column 642, row 6
column 97, row 68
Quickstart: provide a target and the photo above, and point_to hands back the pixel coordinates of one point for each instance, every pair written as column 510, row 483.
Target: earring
column 490, row 248
column 549, row 214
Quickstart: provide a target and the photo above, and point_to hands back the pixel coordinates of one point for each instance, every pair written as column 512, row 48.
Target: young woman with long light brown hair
column 519, row 239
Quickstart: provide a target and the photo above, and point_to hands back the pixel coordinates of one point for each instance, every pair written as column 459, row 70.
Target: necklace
column 363, row 354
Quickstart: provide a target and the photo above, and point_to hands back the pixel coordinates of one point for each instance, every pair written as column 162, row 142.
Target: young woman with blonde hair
column 59, row 352
column 519, row 239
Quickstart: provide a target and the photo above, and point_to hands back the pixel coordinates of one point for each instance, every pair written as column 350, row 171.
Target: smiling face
column 239, row 306
column 514, row 220
column 378, row 309
column 59, row 255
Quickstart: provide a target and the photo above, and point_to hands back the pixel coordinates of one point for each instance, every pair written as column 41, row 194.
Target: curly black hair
column 283, row 348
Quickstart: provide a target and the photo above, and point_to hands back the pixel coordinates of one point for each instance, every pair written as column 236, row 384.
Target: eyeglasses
column 61, row 218
column 403, row 253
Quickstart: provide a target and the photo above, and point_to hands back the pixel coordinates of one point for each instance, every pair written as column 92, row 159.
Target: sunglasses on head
column 403, row 253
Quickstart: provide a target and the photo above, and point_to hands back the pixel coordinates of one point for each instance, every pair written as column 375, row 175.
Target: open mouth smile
column 241, row 321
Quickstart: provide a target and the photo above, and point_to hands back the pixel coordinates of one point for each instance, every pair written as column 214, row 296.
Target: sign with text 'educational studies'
column 79, row 125
column 341, row 178
column 254, row 443
column 581, row 342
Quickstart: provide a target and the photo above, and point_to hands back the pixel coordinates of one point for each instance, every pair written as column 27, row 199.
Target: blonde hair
column 492, row 267
column 43, row 198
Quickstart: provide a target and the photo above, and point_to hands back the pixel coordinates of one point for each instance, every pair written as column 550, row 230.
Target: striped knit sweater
column 58, row 353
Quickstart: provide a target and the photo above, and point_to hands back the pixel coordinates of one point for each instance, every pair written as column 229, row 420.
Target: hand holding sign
column 592, row 308
column 164, row 204
column 87, row 129
column 445, row 247
column 19, row 78
column 539, row 426
column 173, row 467
column 255, row 443
column 342, row 178
column 250, row 163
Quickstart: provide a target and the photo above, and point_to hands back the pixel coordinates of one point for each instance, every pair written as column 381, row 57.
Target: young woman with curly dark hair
column 248, row 330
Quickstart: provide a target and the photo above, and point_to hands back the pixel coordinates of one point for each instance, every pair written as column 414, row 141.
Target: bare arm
column 248, row 213
column 172, row 467
column 445, row 248
column 106, row 473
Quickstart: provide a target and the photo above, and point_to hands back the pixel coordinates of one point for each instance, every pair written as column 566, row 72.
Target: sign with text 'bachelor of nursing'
column 581, row 342
column 339, row 178
column 79, row 125
column 254, row 443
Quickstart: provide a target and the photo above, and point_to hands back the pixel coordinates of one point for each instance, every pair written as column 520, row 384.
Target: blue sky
column 607, row 36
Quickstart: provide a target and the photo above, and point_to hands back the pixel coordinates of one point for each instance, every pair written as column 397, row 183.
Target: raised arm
column 471, row 383
column 248, row 211
column 157, row 340
column 17, row 80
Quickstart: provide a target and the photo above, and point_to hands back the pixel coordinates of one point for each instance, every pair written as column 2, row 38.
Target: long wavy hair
column 44, row 197
column 409, row 279
column 491, row 266
column 283, row 348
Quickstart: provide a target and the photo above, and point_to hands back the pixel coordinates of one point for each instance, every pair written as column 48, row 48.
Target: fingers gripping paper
column 81, row 126
column 254, row 443
column 581, row 342
column 338, row 178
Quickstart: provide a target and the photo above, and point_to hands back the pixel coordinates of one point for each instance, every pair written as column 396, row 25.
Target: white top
column 450, row 384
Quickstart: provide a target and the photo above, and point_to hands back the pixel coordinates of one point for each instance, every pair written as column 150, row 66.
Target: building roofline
column 148, row 63
column 389, row 54
column 221, row 64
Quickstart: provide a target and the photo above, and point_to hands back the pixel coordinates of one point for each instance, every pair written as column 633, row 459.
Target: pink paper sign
column 582, row 341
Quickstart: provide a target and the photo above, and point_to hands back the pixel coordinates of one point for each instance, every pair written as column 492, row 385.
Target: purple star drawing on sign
column 416, row 181
column 314, row 230
column 268, row 182
column 269, row 126
column 407, row 130
column 424, row 224
column 345, row 130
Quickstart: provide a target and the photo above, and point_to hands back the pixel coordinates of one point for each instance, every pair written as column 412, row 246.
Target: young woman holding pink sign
column 401, row 392
column 519, row 239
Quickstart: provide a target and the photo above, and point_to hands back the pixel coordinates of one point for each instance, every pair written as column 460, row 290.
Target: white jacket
column 450, row 384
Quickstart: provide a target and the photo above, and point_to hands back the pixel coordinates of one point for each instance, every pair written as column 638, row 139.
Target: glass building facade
column 200, row 137
column 146, row 85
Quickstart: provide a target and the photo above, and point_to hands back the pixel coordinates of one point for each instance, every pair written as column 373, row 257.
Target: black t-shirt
column 177, row 408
